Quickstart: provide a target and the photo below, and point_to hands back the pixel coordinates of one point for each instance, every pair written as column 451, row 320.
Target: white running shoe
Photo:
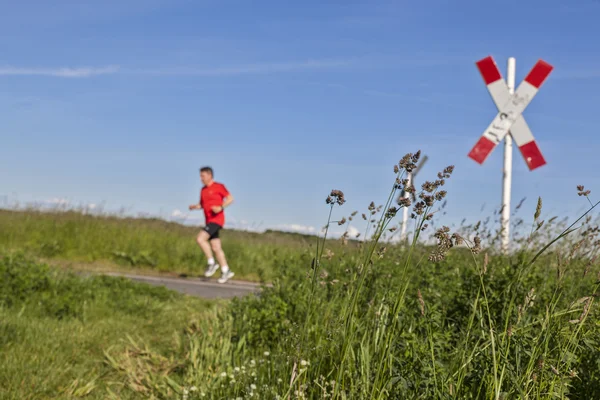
column 211, row 269
column 225, row 277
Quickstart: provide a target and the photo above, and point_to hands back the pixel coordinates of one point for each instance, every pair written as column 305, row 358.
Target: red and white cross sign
column 510, row 109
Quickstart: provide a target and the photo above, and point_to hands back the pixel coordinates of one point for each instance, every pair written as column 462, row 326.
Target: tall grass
column 377, row 320
column 454, row 321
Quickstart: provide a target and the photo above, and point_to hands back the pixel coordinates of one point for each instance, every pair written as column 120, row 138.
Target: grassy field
column 106, row 242
column 369, row 320
column 55, row 329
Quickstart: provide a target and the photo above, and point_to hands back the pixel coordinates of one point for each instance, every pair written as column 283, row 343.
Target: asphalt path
column 205, row 288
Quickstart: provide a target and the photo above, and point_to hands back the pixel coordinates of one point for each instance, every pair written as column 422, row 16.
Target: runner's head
column 206, row 175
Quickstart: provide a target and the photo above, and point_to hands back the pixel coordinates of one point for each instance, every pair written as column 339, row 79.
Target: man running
column 214, row 197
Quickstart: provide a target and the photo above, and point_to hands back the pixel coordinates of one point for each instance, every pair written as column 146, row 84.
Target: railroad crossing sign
column 510, row 109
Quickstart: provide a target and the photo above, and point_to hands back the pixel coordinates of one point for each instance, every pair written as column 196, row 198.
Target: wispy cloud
column 58, row 201
column 246, row 69
column 296, row 228
column 181, row 216
column 232, row 70
column 63, row 72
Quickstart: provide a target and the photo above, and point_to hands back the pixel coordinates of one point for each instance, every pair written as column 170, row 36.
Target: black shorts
column 213, row 230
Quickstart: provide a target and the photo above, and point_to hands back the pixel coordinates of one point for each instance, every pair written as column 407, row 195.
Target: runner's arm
column 227, row 201
column 195, row 207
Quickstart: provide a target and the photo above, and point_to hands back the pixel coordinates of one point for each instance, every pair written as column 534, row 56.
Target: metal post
column 507, row 173
column 405, row 211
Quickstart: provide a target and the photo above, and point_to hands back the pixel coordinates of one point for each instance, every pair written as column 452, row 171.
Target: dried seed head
column 458, row 240
column 416, row 156
column 372, row 206
column 589, row 266
column 396, row 169
column 529, row 298
column 439, row 196
column 582, row 192
column 407, row 163
column 476, row 245
column 364, row 217
column 429, row 200
column 539, row 225
column 486, row 261
column 342, row 221
column 443, row 246
column 421, row 302
column 404, row 202
column 391, row 212
column 538, row 209
column 338, row 196
column 429, row 187
column 419, row 208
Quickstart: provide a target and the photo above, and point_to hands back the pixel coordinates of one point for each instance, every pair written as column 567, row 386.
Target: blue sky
column 119, row 103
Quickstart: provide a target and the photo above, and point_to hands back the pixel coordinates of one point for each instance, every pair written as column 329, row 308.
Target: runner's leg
column 202, row 240
column 219, row 254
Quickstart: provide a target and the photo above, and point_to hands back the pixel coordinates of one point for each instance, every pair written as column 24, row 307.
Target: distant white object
column 410, row 176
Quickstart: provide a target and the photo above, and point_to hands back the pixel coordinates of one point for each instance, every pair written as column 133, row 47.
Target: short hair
column 207, row 169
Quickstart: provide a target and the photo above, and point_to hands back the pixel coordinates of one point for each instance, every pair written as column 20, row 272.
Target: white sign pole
column 507, row 175
column 405, row 211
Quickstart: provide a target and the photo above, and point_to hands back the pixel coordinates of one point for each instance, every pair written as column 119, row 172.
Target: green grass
column 370, row 320
column 109, row 242
column 55, row 329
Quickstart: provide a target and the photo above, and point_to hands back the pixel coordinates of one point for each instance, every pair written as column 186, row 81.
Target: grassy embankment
column 373, row 321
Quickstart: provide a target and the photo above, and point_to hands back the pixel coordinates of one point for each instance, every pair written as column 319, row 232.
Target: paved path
column 208, row 289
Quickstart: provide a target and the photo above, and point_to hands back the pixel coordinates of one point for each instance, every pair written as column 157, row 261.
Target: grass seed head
column 405, row 202
column 421, row 302
column 476, row 245
column 538, row 209
column 338, row 197
column 582, row 192
column 391, row 212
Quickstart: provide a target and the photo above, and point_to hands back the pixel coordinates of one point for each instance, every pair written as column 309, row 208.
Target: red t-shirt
column 211, row 196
